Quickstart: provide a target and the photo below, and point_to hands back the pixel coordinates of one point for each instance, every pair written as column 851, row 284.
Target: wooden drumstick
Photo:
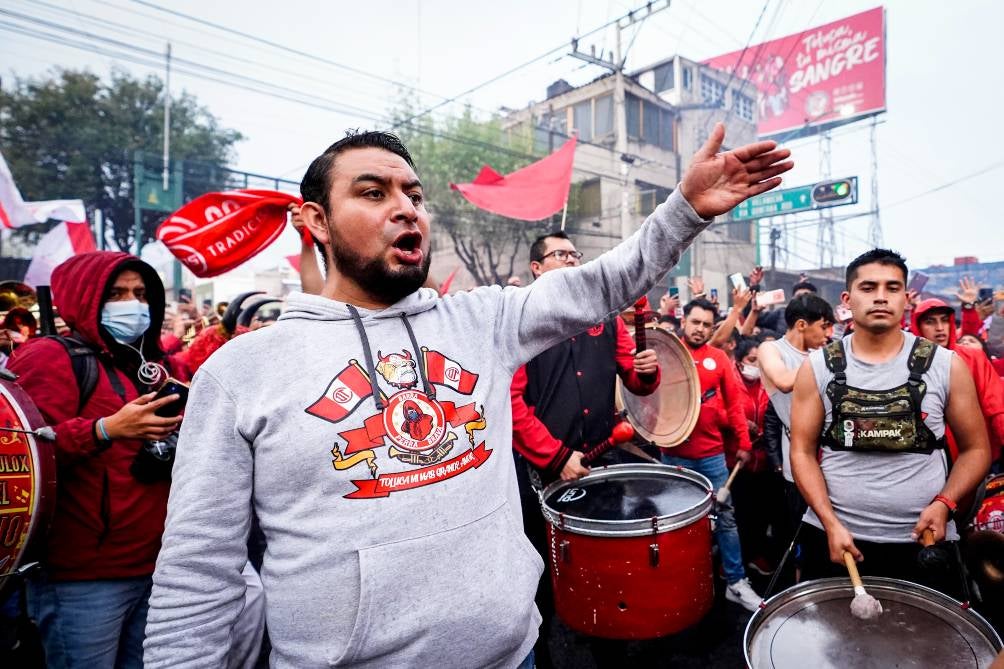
column 927, row 537
column 724, row 493
column 863, row 606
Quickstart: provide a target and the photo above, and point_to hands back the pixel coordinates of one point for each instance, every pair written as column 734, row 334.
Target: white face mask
column 126, row 320
column 750, row 372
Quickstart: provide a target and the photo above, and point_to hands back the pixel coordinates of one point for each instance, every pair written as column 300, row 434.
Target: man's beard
column 374, row 276
column 692, row 344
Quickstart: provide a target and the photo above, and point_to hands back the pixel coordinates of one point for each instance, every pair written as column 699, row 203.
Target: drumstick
column 863, row 606
column 930, row 556
column 724, row 493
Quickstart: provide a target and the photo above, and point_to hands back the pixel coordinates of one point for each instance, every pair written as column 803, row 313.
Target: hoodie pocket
column 458, row 598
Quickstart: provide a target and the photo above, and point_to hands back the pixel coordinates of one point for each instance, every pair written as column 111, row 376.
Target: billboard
column 819, row 78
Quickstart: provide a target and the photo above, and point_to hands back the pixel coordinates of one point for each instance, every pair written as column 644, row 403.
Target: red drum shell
column 27, row 481
column 633, row 578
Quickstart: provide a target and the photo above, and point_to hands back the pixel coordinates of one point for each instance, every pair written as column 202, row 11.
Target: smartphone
column 770, row 297
column 714, row 294
column 986, row 294
column 171, row 409
column 918, row 282
column 738, row 282
column 674, row 291
column 842, row 313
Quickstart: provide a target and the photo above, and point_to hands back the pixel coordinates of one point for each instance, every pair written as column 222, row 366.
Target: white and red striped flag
column 343, row 394
column 15, row 212
column 58, row 245
column 446, row 372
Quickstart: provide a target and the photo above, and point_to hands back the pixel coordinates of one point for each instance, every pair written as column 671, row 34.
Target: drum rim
column 875, row 585
column 687, row 428
column 630, row 528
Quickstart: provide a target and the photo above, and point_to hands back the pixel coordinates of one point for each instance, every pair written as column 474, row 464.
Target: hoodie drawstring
column 430, row 391
column 370, row 369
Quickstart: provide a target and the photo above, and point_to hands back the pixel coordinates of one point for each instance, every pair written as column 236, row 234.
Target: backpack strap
column 921, row 358
column 84, row 360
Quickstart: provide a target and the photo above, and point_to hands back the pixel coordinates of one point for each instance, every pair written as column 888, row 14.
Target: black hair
column 540, row 244
column 879, row 257
column 804, row 285
column 667, row 318
column 317, row 181
column 809, row 308
column 744, row 346
column 699, row 303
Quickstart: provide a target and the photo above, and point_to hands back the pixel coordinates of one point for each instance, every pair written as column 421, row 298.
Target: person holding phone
column 90, row 600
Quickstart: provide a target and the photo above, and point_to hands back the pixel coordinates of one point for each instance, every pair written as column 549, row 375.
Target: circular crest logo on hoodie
column 414, row 422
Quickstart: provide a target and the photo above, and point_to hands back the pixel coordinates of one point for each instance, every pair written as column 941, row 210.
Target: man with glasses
column 563, row 402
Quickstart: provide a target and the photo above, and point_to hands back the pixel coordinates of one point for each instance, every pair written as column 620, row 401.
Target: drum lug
column 653, row 554
column 564, row 551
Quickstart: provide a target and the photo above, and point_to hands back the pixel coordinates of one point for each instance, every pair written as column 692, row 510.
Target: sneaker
column 760, row 565
column 741, row 592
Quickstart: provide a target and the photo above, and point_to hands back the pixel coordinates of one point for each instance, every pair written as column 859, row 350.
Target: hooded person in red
column 90, row 601
column 935, row 320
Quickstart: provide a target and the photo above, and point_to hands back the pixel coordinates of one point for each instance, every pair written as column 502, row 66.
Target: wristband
column 968, row 305
column 952, row 506
column 100, row 424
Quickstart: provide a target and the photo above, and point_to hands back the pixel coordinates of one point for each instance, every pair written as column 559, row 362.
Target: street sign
column 152, row 195
column 830, row 193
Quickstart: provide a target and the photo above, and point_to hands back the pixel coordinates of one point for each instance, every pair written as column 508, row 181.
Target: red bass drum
column 630, row 550
column 27, row 481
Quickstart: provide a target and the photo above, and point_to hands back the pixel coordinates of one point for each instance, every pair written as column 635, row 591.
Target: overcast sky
column 944, row 91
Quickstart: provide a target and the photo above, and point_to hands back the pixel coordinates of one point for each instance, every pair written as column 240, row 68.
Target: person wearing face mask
column 90, row 599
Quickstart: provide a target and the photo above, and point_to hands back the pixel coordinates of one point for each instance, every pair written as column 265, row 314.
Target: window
column 712, row 90
column 650, row 123
column 650, row 196
column 688, row 78
column 633, row 117
column 589, row 203
column 664, row 77
column 550, row 132
column 582, row 114
column 742, row 105
column 740, row 230
column 666, row 130
column 604, row 122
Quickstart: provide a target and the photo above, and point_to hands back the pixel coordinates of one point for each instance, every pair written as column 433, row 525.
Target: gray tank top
column 879, row 496
column 793, row 359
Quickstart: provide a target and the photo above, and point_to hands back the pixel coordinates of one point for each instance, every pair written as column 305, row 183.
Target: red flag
column 61, row 243
column 446, row 372
column 216, row 232
column 444, row 287
column 530, row 193
column 342, row 395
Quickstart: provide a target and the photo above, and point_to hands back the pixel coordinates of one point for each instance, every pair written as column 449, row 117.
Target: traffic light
column 831, row 193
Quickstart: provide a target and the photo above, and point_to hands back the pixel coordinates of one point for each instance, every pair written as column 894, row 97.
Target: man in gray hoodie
column 371, row 430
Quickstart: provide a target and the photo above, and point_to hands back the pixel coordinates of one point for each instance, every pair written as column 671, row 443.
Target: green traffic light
column 842, row 188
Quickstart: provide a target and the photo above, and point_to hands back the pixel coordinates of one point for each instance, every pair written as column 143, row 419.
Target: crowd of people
column 356, row 459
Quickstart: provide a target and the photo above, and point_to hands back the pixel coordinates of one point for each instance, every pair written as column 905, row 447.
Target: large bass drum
column 27, row 481
column 667, row 416
column 810, row 625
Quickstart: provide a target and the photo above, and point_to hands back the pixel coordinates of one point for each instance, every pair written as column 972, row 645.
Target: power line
column 988, row 168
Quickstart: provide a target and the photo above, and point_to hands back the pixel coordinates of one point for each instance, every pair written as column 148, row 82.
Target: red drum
column 630, row 550
column 27, row 480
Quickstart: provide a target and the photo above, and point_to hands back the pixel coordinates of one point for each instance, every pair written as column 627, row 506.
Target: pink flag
column 58, row 245
column 531, row 193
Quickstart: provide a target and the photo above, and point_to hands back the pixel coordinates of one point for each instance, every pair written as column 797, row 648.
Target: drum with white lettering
column 811, row 625
column 27, row 480
column 630, row 550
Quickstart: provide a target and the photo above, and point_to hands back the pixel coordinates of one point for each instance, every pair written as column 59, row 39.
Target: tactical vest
column 886, row 421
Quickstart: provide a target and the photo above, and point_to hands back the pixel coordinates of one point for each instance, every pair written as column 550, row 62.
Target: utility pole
column 166, row 174
column 620, row 102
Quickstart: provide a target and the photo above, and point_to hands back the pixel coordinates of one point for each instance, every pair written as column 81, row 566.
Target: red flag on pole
column 216, row 232
column 531, row 193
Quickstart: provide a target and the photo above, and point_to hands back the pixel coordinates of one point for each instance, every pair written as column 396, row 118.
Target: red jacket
column 721, row 393
column 534, row 441
column 106, row 524
column 754, row 400
column 989, row 385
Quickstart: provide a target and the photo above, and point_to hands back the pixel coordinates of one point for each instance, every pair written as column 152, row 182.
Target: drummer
column 563, row 401
column 882, row 480
column 704, row 450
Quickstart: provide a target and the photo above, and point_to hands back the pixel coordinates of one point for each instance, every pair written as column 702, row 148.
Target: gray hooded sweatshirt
column 385, row 486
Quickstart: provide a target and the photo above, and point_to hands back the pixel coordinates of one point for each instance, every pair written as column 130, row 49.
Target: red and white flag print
column 343, row 394
column 446, row 372
column 58, row 245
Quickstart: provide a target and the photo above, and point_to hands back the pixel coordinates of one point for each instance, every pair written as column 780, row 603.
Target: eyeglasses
column 562, row 255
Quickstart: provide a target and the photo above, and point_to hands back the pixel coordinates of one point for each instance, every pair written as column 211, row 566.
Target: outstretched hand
column 716, row 182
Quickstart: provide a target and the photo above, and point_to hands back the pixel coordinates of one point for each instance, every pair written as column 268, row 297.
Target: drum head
column 810, row 625
column 27, row 480
column 667, row 416
column 623, row 500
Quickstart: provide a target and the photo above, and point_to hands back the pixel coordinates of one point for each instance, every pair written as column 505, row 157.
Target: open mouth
column 408, row 247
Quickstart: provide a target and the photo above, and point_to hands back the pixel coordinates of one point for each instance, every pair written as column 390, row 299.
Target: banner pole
column 564, row 214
